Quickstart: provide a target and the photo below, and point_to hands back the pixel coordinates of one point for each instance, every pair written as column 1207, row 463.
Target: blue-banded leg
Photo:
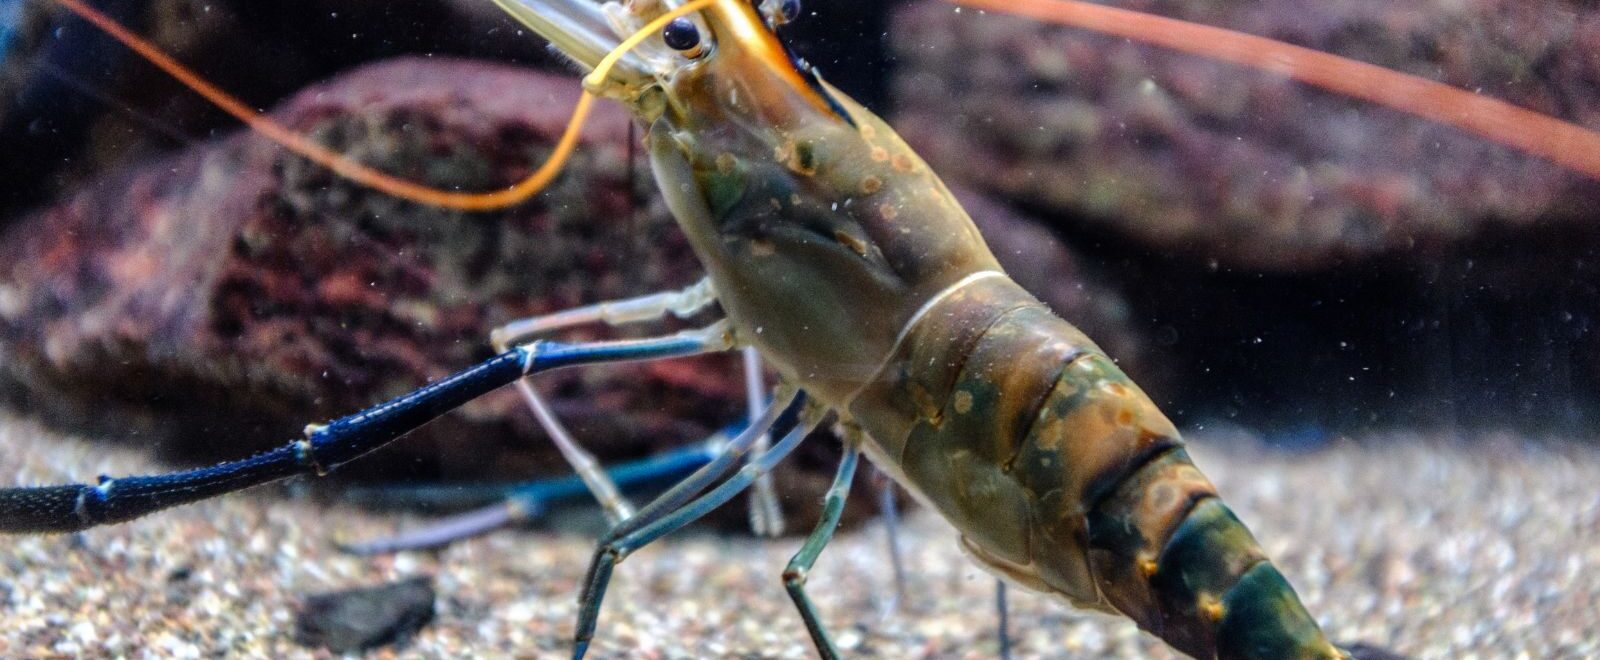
column 672, row 511
column 325, row 447
column 519, row 503
column 799, row 568
column 682, row 303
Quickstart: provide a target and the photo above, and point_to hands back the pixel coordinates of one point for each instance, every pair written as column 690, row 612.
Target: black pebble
column 366, row 618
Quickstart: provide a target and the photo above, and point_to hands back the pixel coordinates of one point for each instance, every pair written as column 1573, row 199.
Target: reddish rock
column 235, row 275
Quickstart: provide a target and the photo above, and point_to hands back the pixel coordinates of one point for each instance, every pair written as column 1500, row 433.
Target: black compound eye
column 681, row 35
column 790, row 9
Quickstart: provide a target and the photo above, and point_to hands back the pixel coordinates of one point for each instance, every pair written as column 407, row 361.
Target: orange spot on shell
column 1162, row 497
column 880, row 154
column 963, row 402
column 1125, row 417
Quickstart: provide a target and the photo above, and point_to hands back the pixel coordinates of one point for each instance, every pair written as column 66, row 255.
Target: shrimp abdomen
column 1064, row 477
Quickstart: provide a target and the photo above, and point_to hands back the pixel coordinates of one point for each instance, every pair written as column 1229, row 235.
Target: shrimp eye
column 790, row 9
column 682, row 35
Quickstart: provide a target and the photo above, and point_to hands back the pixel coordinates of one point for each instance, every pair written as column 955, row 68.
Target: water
column 10, row 13
column 1376, row 330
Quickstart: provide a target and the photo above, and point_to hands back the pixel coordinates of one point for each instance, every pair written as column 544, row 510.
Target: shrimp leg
column 665, row 516
column 766, row 517
column 794, row 576
column 1004, row 618
column 891, row 523
column 522, row 502
column 682, row 303
column 890, row 508
column 442, row 532
column 73, row 507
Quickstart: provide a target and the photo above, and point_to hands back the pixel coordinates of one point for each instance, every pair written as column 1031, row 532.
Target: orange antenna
column 1564, row 143
column 363, row 174
column 340, row 164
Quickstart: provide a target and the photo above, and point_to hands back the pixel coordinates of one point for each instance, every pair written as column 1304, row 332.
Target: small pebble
column 366, row 618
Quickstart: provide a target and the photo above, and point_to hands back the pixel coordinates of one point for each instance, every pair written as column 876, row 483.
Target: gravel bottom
column 1418, row 544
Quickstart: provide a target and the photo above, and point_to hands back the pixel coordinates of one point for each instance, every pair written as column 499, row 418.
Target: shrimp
column 839, row 257
column 845, row 261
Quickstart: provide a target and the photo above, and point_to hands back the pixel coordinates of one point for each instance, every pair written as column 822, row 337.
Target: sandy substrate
column 1417, row 545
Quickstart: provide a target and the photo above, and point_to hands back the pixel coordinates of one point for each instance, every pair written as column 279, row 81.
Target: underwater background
column 1377, row 332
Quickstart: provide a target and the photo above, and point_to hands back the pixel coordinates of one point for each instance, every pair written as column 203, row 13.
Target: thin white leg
column 766, row 517
column 681, row 303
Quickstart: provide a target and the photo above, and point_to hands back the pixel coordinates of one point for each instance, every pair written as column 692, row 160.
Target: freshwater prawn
column 843, row 261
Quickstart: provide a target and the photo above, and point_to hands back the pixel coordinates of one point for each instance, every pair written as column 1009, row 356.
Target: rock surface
column 1250, row 170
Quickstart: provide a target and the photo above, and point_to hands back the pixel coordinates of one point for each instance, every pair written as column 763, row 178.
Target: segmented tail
column 1148, row 528
column 1137, row 527
column 1169, row 554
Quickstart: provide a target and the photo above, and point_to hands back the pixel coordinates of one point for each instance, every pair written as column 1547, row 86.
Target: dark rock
column 1219, row 163
column 362, row 619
